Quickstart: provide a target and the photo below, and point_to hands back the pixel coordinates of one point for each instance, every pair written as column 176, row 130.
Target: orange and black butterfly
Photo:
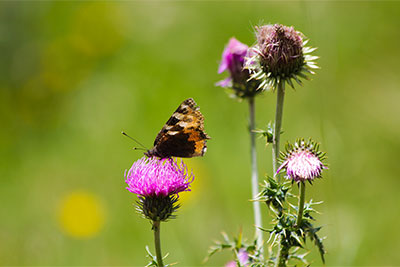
column 182, row 135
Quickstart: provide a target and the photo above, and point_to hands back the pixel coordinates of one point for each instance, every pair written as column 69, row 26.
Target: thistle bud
column 279, row 56
column 281, row 50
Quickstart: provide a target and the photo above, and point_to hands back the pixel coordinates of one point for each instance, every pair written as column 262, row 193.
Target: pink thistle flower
column 157, row 183
column 302, row 161
column 233, row 59
column 158, row 177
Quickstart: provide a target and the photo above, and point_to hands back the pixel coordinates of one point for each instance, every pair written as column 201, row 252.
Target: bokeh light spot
column 199, row 182
column 81, row 214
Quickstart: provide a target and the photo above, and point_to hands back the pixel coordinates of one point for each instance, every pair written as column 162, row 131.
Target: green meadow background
column 73, row 75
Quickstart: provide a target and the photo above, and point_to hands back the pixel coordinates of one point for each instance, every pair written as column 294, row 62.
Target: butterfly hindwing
column 183, row 134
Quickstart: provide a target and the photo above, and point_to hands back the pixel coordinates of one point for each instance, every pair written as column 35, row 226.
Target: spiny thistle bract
column 279, row 56
column 289, row 235
column 302, row 161
column 246, row 254
column 274, row 195
column 157, row 183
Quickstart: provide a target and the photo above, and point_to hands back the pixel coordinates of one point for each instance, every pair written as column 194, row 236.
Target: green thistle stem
column 278, row 124
column 283, row 252
column 283, row 255
column 156, row 229
column 254, row 175
column 301, row 203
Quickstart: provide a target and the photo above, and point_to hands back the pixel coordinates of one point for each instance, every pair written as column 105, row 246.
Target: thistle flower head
column 302, row 161
column 233, row 59
column 279, row 56
column 157, row 182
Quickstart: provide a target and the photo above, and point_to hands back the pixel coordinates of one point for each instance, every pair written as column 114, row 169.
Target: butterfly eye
column 204, row 150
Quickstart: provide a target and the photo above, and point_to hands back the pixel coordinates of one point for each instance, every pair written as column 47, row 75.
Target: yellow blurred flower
column 200, row 180
column 81, row 214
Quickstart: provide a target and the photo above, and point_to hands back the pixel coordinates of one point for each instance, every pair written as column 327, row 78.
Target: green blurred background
column 74, row 74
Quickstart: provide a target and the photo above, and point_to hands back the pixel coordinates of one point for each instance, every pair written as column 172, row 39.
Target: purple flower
column 233, row 60
column 157, row 183
column 158, row 177
column 302, row 161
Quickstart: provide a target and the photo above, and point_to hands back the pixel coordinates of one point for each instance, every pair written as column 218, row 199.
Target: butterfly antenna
column 140, row 148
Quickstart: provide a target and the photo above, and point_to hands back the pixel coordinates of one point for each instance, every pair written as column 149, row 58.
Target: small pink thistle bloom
column 302, row 161
column 158, row 177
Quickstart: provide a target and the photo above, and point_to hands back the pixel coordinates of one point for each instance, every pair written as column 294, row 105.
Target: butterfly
column 182, row 135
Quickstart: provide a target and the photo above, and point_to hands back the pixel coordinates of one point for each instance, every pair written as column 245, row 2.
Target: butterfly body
column 183, row 134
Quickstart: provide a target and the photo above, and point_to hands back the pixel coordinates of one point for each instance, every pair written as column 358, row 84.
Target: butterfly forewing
column 183, row 134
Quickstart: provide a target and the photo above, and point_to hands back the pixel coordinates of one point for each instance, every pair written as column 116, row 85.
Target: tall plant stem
column 254, row 175
column 278, row 124
column 301, row 203
column 283, row 256
column 156, row 229
column 283, row 252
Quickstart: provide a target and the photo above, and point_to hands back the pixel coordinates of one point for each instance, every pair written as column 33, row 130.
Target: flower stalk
column 157, row 183
column 232, row 61
column 277, row 128
column 301, row 203
column 254, row 174
column 280, row 57
column 283, row 255
column 157, row 243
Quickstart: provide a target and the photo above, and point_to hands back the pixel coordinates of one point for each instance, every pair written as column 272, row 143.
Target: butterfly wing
column 183, row 134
